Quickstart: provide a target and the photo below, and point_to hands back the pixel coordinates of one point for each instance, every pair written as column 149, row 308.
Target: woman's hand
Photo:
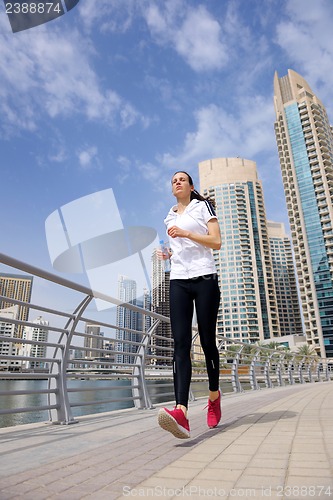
column 210, row 240
column 175, row 232
column 163, row 255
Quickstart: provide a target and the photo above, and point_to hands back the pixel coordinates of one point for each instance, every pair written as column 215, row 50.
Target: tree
column 306, row 350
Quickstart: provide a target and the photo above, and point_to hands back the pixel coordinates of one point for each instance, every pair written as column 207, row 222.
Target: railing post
column 60, row 398
column 191, row 396
column 327, row 376
column 279, row 370
column 139, row 384
column 300, row 370
column 236, row 385
column 290, row 371
column 253, row 376
column 310, row 370
column 268, row 381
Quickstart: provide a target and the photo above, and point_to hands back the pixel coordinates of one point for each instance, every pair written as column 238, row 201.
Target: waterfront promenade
column 272, row 443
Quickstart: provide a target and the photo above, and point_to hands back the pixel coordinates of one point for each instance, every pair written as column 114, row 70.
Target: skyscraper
column 17, row 287
column 8, row 329
column 285, row 280
column 95, row 342
column 162, row 345
column 127, row 320
column 305, row 146
column 248, row 309
column 37, row 333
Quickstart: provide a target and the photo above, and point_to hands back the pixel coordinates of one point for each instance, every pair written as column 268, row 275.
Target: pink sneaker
column 214, row 412
column 175, row 422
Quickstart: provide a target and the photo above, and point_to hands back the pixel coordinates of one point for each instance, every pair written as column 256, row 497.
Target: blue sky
column 120, row 94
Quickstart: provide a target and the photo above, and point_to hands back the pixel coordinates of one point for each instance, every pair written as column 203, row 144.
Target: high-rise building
column 162, row 345
column 35, row 333
column 17, row 287
column 109, row 345
column 8, row 329
column 305, row 146
column 127, row 320
column 248, row 308
column 285, row 280
column 94, row 342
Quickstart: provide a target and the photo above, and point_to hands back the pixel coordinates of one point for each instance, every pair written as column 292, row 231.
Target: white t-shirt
column 190, row 259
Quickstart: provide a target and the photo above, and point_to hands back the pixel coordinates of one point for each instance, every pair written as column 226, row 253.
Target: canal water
column 159, row 391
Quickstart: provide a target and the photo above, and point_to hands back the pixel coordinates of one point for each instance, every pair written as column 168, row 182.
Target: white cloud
column 220, row 134
column 150, row 172
column 88, row 157
column 50, row 71
column 124, row 168
column 59, row 157
column 192, row 32
column 107, row 15
column 198, row 41
column 306, row 36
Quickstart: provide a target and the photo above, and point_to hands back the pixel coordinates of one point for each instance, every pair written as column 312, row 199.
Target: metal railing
column 125, row 367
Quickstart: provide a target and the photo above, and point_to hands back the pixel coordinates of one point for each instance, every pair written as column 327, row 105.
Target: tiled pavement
column 272, row 443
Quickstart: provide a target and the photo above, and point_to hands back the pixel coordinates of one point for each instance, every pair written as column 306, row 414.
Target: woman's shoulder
column 171, row 214
column 203, row 206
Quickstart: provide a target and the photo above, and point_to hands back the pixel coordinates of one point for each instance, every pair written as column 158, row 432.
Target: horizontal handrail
column 46, row 275
column 80, row 370
column 39, row 308
column 26, row 341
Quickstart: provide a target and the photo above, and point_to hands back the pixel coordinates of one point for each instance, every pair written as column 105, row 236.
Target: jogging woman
column 193, row 232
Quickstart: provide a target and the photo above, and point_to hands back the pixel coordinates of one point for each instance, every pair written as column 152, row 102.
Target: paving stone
column 266, row 437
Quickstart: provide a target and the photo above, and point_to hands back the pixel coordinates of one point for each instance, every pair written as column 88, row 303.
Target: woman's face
column 181, row 187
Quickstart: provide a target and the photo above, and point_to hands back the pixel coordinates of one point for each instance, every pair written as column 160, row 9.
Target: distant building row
column 259, row 292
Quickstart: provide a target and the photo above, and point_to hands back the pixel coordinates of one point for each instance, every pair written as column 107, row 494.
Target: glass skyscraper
column 129, row 320
column 305, row 145
column 162, row 344
column 248, row 309
column 285, row 280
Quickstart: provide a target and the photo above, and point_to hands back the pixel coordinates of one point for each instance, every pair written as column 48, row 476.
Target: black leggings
column 205, row 293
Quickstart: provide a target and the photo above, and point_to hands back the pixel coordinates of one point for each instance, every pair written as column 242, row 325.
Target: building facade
column 94, row 341
column 17, row 287
column 8, row 329
column 38, row 333
column 126, row 321
column 162, row 344
column 305, row 146
column 248, row 309
column 285, row 280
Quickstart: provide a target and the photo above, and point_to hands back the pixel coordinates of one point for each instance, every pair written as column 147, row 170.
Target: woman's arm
column 210, row 240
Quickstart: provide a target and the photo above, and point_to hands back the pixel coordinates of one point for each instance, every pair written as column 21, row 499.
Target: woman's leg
column 181, row 313
column 207, row 300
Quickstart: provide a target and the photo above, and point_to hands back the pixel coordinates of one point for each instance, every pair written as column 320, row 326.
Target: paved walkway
column 272, row 443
